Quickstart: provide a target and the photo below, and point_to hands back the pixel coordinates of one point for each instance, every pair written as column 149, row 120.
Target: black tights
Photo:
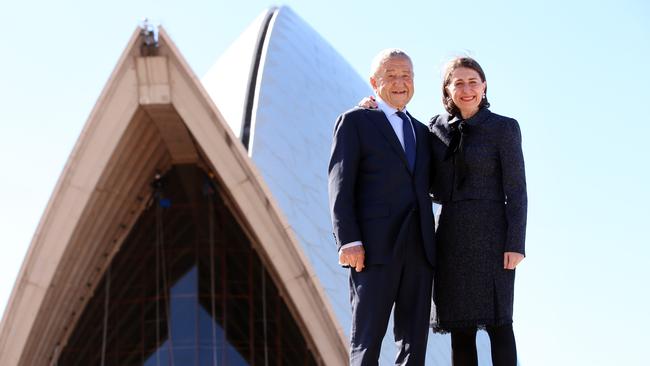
column 502, row 343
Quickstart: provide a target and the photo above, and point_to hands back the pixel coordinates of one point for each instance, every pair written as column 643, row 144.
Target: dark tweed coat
column 479, row 221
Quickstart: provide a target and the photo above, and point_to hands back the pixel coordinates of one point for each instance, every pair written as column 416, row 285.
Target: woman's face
column 466, row 89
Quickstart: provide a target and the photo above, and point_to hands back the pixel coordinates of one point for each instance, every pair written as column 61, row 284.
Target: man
column 382, row 216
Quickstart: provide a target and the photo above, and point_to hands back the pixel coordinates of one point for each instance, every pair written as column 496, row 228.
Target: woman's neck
column 468, row 114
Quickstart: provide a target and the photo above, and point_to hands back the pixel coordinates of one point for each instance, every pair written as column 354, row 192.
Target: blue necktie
column 409, row 140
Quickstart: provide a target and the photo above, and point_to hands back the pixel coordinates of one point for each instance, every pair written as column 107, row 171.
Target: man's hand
column 512, row 259
column 353, row 257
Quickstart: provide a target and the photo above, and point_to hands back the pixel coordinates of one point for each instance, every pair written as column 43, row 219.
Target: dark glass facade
column 186, row 288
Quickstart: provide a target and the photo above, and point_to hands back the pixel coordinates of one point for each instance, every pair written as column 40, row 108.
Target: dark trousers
column 405, row 282
column 502, row 344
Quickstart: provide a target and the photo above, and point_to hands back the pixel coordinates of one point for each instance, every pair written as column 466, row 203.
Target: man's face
column 393, row 81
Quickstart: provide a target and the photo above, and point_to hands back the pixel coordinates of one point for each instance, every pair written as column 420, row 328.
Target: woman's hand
column 512, row 259
column 368, row 103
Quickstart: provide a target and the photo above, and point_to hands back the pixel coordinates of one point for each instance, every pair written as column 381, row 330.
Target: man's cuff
column 349, row 245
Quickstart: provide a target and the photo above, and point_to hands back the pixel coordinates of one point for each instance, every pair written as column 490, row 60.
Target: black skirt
column 471, row 287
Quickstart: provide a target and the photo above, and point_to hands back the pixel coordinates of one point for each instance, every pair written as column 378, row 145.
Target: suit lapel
column 379, row 119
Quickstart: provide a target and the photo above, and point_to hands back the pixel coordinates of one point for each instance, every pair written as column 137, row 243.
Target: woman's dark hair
column 452, row 65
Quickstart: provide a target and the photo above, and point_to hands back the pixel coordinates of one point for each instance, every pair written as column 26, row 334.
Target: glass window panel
column 209, row 358
column 199, row 274
column 206, row 329
column 186, row 285
column 160, row 357
column 234, row 358
column 185, row 356
column 183, row 321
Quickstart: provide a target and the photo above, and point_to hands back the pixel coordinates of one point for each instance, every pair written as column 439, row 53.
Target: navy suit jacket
column 372, row 194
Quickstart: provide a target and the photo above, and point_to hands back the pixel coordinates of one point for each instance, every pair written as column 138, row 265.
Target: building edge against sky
column 152, row 115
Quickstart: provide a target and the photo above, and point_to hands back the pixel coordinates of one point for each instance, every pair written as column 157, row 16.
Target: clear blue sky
column 571, row 72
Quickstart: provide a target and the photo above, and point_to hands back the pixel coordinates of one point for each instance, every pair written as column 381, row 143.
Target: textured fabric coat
column 480, row 219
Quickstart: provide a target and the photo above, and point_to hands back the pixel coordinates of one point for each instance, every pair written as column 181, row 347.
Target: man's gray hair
column 384, row 55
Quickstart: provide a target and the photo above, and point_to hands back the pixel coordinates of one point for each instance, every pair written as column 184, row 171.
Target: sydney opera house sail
column 162, row 244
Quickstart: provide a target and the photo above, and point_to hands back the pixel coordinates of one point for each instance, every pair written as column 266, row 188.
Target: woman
column 480, row 183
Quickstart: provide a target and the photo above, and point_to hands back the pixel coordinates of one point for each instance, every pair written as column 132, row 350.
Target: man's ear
column 373, row 82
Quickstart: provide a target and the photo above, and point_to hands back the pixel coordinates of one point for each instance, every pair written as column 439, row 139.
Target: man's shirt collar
column 388, row 110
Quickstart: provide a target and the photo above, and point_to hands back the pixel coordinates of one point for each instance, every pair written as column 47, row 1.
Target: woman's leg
column 504, row 349
column 463, row 347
